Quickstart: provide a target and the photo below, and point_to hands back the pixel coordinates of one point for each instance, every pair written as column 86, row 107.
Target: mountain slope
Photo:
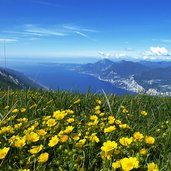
column 15, row 80
column 143, row 76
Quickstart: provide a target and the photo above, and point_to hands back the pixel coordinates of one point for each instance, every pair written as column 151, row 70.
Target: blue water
column 57, row 76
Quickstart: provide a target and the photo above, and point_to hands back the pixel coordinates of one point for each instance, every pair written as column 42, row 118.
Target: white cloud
column 112, row 54
column 156, row 53
column 159, row 51
column 44, row 32
column 81, row 34
column 76, row 28
column 7, row 40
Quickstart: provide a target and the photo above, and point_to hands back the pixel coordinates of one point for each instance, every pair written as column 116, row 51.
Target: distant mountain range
column 15, row 80
column 140, row 77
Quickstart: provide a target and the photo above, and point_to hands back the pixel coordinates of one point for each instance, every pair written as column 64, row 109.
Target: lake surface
column 57, row 76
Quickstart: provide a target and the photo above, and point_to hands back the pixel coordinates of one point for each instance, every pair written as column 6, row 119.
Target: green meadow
column 46, row 131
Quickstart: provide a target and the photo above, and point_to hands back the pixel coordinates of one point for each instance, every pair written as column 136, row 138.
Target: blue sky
column 86, row 28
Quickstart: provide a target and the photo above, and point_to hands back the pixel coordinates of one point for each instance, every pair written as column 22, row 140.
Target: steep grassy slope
column 44, row 130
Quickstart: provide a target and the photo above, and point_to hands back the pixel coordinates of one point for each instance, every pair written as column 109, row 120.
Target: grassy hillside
column 11, row 79
column 43, row 130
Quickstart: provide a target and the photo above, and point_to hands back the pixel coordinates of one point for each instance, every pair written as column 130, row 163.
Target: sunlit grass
column 44, row 130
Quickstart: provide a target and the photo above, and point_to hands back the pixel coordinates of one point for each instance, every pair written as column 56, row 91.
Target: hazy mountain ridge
column 141, row 77
column 15, row 80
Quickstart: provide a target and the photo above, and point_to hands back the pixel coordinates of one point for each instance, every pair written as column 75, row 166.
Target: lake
column 59, row 76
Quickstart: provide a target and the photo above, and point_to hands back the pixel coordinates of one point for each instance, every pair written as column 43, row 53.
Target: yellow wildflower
column 51, row 122
column 97, row 107
column 70, row 120
column 118, row 122
column 41, row 132
column 63, row 138
column 23, row 110
column 108, row 149
column 76, row 137
column 143, row 151
column 68, row 129
column 53, row 141
column 16, row 126
column 109, row 129
column 32, row 136
column 68, row 111
column 144, row 113
column 125, row 141
column 22, row 120
column 111, row 119
column 93, row 117
column 130, row 163
column 43, row 158
column 108, row 146
column 149, row 140
column 4, row 152
column 45, row 118
column 116, row 165
column 153, row 167
column 15, row 110
column 20, row 142
column 99, row 102
column 36, row 149
column 80, row 143
column 123, row 126
column 58, row 115
column 138, row 136
column 94, row 138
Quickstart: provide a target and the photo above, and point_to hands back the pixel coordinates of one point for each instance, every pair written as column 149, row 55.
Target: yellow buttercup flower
column 144, row 113
column 109, row 129
column 58, row 115
column 63, row 138
column 138, row 136
column 53, row 141
column 152, row 167
column 130, row 163
column 36, row 149
column 23, row 110
column 51, row 122
column 108, row 146
column 143, row 151
column 70, row 120
column 93, row 117
column 125, row 141
column 41, row 132
column 68, row 129
column 149, row 140
column 20, row 142
column 43, row 157
column 108, row 149
column 32, row 136
column 15, row 110
column 94, row 138
column 80, row 143
column 111, row 119
column 76, row 137
column 22, row 120
column 4, row 152
column 116, row 165
column 99, row 102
